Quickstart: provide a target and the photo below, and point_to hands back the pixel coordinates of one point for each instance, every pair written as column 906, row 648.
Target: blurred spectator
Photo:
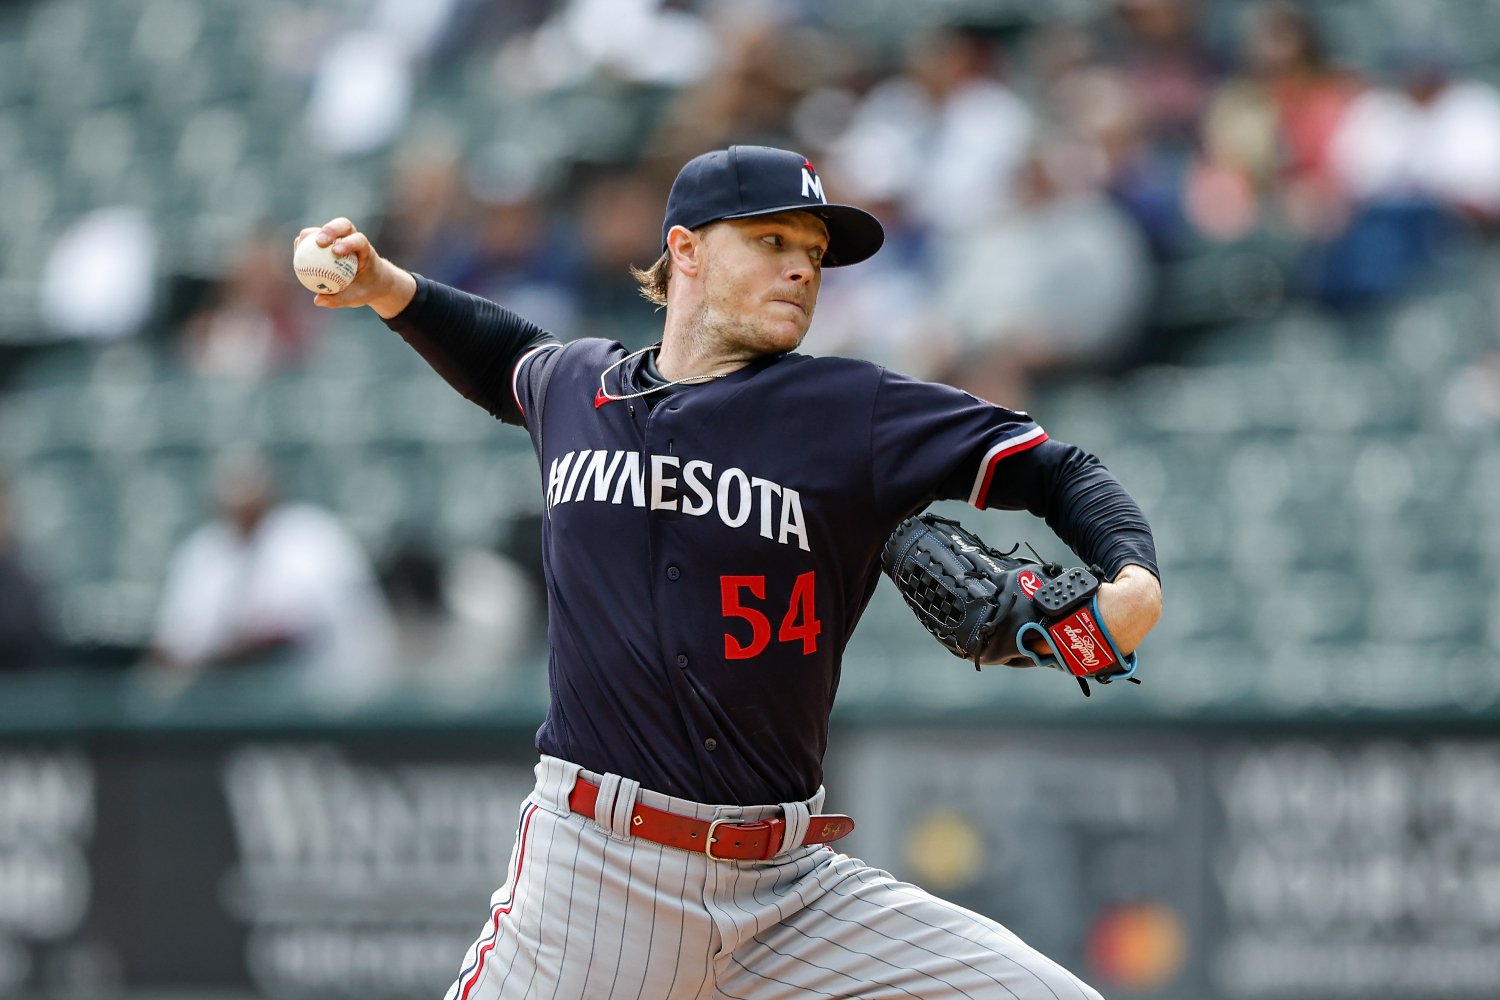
column 428, row 203
column 349, row 118
column 410, row 573
column 765, row 71
column 480, row 25
column 1094, row 105
column 1430, row 137
column 517, row 254
column 884, row 310
column 619, row 215
column 28, row 638
column 468, row 616
column 1418, row 160
column 255, row 320
column 947, row 134
column 273, row 583
column 387, row 40
column 639, row 41
column 99, row 279
column 1011, row 290
column 1158, row 48
column 1140, row 100
column 1268, row 133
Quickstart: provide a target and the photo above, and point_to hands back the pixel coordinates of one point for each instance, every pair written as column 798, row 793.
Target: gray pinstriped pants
column 590, row 912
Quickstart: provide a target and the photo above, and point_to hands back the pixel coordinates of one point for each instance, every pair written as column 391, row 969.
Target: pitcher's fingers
column 333, row 229
column 356, row 243
column 302, row 236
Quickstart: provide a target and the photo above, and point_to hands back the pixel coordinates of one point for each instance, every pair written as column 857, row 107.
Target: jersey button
column 673, row 573
column 682, row 659
column 710, row 744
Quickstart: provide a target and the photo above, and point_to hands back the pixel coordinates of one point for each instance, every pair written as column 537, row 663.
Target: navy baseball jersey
column 708, row 551
column 708, row 556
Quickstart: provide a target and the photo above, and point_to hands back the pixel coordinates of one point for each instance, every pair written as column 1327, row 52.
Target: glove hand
column 993, row 607
column 960, row 589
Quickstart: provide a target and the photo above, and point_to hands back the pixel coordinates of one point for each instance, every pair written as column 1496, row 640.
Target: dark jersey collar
column 647, row 376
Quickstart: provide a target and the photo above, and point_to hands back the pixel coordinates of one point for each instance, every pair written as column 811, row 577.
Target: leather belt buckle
column 758, row 840
column 710, row 840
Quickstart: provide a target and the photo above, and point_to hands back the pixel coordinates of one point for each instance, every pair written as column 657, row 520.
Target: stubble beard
column 718, row 324
column 715, row 326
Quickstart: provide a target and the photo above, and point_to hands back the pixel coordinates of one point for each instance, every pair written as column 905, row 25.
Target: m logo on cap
column 812, row 184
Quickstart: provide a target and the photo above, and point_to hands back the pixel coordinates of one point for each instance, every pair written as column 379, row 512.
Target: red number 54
column 799, row 623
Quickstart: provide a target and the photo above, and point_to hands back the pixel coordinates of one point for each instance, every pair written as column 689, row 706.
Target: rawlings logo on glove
column 997, row 607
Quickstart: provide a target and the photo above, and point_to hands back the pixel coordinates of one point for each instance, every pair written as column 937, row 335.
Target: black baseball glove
column 997, row 607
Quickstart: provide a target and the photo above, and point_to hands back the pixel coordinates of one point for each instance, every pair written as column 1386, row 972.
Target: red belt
column 722, row 840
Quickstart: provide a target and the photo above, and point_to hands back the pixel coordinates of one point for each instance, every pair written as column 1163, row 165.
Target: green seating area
column 1329, row 543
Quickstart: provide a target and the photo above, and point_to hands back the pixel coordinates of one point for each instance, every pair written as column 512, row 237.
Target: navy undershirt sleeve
column 471, row 342
column 1082, row 502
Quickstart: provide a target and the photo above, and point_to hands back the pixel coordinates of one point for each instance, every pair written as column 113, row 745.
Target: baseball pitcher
column 719, row 509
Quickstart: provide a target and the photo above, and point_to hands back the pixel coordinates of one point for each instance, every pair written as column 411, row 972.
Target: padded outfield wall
column 216, row 849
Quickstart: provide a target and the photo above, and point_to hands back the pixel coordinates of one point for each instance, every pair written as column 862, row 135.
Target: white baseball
column 320, row 270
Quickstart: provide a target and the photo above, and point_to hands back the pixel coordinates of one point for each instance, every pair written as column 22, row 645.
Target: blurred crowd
column 1007, row 153
column 1039, row 179
column 1009, row 158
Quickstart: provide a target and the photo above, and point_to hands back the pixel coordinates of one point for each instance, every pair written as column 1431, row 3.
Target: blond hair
column 654, row 279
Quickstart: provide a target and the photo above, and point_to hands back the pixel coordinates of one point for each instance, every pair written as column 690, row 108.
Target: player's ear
column 686, row 248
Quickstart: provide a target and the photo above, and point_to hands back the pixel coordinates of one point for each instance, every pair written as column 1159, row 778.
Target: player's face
column 760, row 280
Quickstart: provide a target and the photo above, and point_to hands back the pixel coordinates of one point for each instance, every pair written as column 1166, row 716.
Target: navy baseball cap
column 745, row 181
